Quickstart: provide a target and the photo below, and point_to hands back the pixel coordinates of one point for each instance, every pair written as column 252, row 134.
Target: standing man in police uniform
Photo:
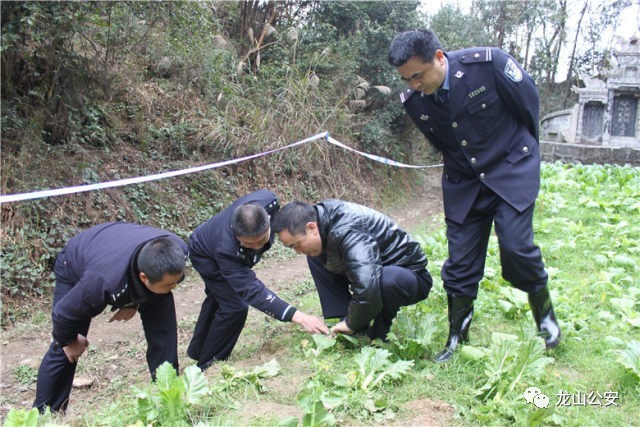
column 224, row 250
column 480, row 109
column 133, row 268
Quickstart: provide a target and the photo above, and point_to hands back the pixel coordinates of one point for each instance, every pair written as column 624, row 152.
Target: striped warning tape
column 136, row 180
column 379, row 158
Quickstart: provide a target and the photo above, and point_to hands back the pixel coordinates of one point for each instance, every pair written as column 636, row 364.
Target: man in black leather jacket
column 364, row 265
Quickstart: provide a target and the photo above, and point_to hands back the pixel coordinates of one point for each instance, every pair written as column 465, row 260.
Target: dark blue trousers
column 221, row 320
column 56, row 373
column 520, row 258
column 399, row 286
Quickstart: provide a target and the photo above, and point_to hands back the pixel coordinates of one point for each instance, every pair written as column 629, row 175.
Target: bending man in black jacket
column 364, row 265
column 224, row 250
column 130, row 267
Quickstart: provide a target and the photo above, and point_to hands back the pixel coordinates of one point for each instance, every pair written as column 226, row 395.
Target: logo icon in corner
column 534, row 395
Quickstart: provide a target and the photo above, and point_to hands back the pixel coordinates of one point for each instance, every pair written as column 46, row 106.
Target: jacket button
column 525, row 149
column 482, row 175
column 454, row 125
column 463, row 142
column 484, row 105
column 473, row 161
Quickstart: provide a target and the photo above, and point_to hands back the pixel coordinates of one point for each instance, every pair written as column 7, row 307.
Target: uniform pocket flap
column 518, row 153
column 482, row 102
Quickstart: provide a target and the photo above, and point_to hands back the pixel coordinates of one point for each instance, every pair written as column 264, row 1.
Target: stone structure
column 589, row 154
column 606, row 117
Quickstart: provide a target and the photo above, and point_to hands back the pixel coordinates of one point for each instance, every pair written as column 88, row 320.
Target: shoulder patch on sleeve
column 406, row 94
column 474, row 56
column 513, row 71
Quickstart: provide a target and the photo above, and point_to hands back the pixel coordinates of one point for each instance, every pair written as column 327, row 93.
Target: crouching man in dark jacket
column 364, row 265
column 127, row 266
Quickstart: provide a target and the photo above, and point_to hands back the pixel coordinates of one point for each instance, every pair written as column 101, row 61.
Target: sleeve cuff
column 288, row 313
column 63, row 342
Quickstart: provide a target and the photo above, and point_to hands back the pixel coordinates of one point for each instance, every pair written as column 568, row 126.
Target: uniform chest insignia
column 477, row 91
column 424, row 117
column 513, row 71
column 458, row 74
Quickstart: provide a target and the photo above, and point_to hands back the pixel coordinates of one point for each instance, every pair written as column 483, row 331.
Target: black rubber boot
column 460, row 315
column 542, row 309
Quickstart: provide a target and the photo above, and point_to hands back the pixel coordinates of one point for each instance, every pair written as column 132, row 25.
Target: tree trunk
column 572, row 59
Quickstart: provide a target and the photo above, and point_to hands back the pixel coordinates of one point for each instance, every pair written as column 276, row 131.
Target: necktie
column 442, row 95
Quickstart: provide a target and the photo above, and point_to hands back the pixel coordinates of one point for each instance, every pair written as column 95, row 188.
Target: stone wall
column 589, row 154
column 559, row 126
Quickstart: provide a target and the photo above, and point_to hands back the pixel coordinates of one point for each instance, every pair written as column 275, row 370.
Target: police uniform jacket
column 230, row 262
column 487, row 131
column 357, row 242
column 102, row 263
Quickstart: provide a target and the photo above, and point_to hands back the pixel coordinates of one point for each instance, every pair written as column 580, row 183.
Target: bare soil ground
column 118, row 349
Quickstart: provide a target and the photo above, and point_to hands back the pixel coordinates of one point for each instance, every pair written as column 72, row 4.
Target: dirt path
column 118, row 349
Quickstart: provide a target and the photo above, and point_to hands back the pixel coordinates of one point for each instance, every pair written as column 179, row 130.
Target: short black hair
column 420, row 43
column 250, row 220
column 160, row 256
column 294, row 217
